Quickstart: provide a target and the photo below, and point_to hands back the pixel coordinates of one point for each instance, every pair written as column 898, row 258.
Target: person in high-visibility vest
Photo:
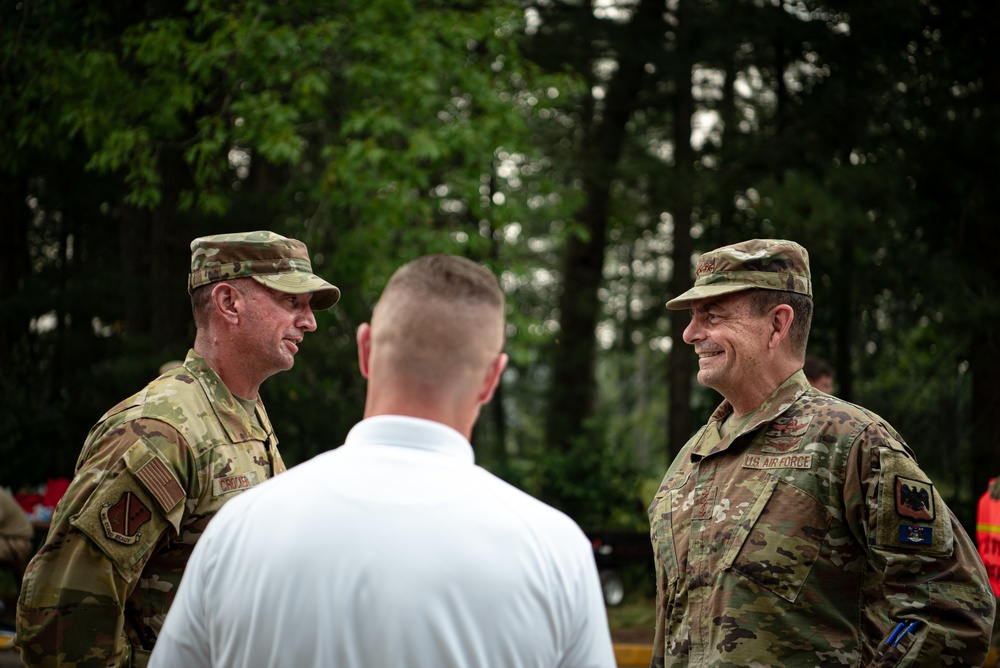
column 988, row 532
column 988, row 542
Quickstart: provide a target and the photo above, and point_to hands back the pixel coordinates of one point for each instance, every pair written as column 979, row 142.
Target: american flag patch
column 161, row 483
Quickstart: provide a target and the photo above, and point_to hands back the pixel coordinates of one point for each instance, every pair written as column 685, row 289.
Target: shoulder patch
column 123, row 518
column 914, row 499
column 160, row 482
column 910, row 515
column 916, row 534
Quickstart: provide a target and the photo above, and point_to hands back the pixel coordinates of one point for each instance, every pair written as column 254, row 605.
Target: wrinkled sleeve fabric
column 72, row 608
column 925, row 567
column 589, row 639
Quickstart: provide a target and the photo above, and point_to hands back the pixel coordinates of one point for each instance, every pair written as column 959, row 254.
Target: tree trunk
column 573, row 390
column 15, row 268
column 680, row 355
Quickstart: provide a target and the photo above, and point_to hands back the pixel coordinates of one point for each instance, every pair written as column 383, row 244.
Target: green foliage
column 379, row 131
column 596, row 481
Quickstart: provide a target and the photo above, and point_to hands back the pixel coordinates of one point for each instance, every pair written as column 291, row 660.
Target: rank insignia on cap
column 122, row 519
column 914, row 534
column 914, row 499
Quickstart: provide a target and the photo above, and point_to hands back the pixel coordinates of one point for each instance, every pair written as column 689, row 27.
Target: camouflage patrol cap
column 771, row 264
column 272, row 260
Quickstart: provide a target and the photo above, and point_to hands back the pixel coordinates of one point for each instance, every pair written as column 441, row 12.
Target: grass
column 636, row 612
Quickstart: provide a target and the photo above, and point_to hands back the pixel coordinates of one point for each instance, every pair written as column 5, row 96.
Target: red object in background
column 28, row 501
column 54, row 490
column 988, row 537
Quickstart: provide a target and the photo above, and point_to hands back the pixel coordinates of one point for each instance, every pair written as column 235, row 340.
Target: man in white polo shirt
column 395, row 549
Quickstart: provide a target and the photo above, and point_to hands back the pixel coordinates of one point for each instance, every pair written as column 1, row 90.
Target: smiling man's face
column 730, row 341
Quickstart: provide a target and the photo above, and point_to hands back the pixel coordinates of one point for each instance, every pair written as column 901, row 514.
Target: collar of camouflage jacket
column 774, row 406
column 239, row 426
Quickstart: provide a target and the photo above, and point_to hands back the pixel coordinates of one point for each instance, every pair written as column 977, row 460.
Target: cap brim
column 681, row 302
column 324, row 294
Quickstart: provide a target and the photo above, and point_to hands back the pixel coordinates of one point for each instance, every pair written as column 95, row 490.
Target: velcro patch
column 234, row 483
column 915, row 534
column 161, row 483
column 785, row 434
column 907, row 499
column 777, row 461
column 914, row 499
column 123, row 518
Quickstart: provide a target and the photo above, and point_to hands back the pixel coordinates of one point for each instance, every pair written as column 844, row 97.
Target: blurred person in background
column 819, row 373
column 16, row 533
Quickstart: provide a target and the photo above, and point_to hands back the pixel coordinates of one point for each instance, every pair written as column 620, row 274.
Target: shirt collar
column 239, row 426
column 410, row 432
column 779, row 402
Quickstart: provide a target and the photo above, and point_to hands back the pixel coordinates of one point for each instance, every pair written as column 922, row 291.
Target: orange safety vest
column 988, row 537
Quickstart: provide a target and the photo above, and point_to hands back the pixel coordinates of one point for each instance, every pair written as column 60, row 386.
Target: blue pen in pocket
column 900, row 632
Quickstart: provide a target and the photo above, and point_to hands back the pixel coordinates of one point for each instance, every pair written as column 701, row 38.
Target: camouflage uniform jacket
column 152, row 473
column 803, row 539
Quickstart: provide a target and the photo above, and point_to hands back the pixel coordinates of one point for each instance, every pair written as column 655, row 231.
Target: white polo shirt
column 393, row 550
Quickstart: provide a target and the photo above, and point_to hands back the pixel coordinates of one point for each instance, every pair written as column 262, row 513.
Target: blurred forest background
column 583, row 150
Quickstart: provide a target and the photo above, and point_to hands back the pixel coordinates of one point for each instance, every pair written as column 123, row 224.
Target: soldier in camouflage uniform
column 159, row 465
column 797, row 529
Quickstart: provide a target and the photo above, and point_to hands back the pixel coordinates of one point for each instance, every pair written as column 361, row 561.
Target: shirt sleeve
column 589, row 639
column 930, row 603
column 73, row 602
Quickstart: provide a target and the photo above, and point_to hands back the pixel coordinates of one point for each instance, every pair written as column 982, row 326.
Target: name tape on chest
column 796, row 461
column 234, row 483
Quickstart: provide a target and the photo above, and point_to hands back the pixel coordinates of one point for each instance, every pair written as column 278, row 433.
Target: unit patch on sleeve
column 123, row 518
column 914, row 499
column 916, row 534
column 907, row 517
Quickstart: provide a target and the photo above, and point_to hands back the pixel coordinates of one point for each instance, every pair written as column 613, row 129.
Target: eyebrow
column 706, row 306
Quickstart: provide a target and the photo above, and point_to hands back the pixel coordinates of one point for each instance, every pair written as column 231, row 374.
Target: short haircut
column 762, row 301
column 201, row 298
column 448, row 277
column 440, row 315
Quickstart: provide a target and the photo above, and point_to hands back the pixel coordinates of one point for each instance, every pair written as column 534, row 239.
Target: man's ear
column 492, row 379
column 364, row 337
column 226, row 299
column 782, row 316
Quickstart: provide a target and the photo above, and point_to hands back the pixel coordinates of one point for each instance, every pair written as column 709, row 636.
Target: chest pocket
column 779, row 539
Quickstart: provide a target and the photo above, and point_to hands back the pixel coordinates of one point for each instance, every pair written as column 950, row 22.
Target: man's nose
column 307, row 320
column 692, row 332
